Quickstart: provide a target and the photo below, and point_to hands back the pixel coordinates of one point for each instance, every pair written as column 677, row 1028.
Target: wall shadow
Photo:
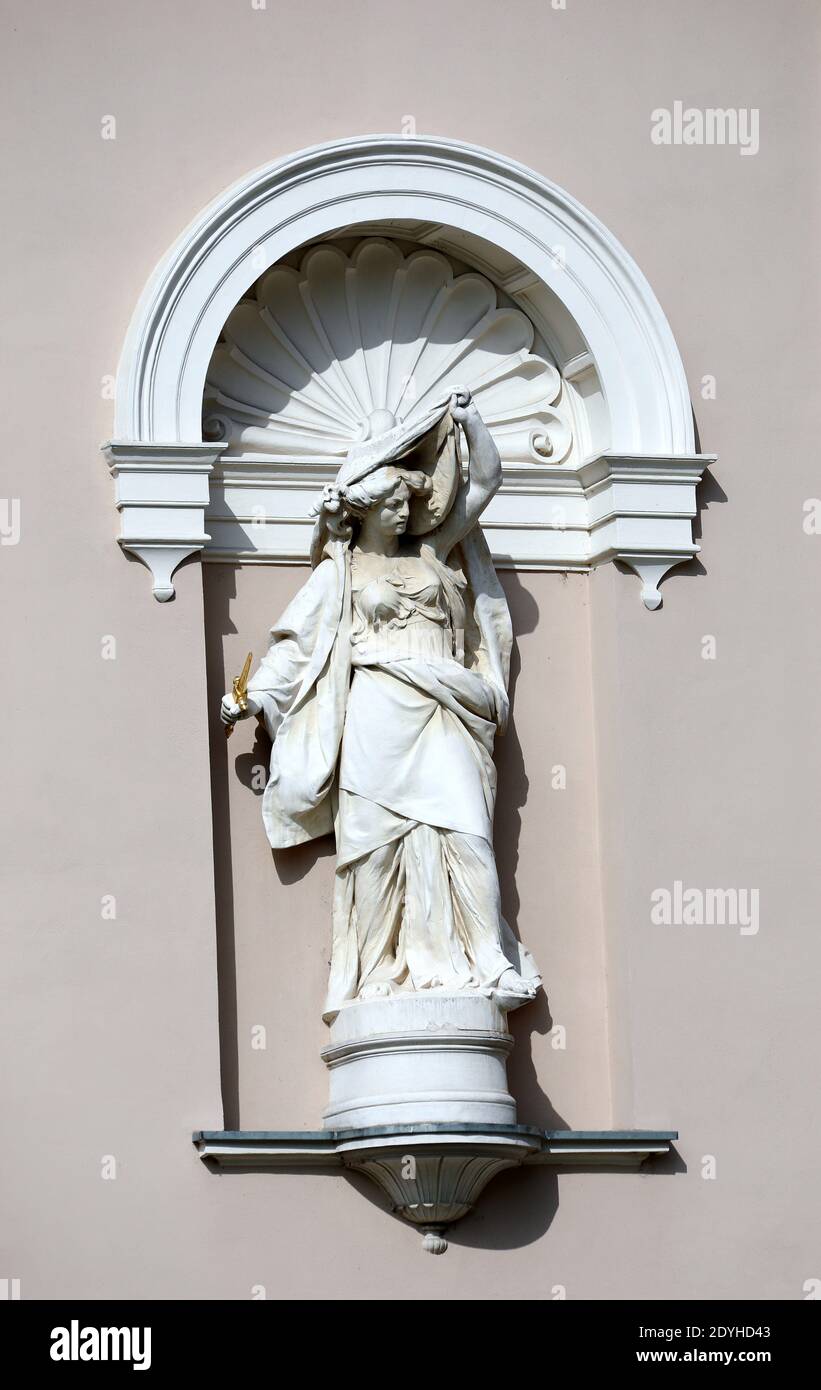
column 219, row 584
column 709, row 493
column 291, row 865
column 534, row 1106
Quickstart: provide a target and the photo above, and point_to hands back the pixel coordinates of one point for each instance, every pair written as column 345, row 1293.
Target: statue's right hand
column 230, row 711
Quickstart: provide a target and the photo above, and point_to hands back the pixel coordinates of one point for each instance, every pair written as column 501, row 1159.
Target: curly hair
column 340, row 512
column 376, row 487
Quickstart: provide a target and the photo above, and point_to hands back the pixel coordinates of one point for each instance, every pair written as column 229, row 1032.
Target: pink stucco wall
column 678, row 767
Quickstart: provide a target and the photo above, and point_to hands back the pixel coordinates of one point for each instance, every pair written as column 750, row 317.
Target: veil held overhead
column 429, row 445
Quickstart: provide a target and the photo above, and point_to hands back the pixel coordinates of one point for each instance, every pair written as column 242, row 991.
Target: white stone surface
column 419, row 1059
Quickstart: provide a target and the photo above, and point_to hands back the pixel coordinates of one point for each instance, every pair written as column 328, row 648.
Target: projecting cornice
column 635, row 509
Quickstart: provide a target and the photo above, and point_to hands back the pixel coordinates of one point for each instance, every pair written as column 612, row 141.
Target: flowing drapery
column 394, row 752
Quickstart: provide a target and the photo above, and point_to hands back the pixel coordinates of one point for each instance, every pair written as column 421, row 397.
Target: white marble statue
column 382, row 690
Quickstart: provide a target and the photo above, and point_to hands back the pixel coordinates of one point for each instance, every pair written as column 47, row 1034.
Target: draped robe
column 407, row 780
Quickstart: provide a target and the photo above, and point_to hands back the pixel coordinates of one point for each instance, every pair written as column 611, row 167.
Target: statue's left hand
column 462, row 405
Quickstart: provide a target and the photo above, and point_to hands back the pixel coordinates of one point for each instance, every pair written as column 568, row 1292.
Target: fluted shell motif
column 316, row 354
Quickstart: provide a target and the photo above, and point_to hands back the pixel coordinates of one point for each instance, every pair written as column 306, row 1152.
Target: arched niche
column 628, row 490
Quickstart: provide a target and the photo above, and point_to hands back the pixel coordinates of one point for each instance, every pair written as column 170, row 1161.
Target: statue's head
column 380, row 502
column 390, row 481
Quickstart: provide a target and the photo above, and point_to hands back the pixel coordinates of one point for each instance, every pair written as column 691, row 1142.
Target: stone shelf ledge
column 432, row 1174
column 329, row 1148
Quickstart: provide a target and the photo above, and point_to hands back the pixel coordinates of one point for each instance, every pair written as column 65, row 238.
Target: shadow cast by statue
column 533, row 1105
column 292, row 865
column 515, row 1210
column 252, row 768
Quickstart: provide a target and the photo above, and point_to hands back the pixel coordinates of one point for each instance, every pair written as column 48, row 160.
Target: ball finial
column 379, row 422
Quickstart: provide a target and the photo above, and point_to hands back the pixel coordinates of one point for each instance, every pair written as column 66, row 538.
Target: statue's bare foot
column 511, row 982
column 512, row 989
column 378, row 990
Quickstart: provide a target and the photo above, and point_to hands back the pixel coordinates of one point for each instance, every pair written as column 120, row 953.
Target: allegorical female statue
column 382, row 690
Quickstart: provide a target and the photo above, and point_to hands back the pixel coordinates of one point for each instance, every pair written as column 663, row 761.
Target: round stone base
column 417, row 1059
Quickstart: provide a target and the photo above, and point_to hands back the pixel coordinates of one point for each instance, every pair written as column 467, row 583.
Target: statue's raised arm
column 484, row 476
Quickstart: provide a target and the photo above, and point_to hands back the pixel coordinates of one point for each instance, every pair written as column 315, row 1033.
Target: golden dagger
column 239, row 687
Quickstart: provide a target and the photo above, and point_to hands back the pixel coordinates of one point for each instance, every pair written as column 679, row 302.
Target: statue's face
column 391, row 515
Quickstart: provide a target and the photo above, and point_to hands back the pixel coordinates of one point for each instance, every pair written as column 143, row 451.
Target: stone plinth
column 416, row 1059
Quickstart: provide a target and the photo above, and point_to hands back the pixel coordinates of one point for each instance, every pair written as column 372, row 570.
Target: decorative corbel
column 161, row 495
column 641, row 510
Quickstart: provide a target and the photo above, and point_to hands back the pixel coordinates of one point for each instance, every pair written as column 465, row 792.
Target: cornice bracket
column 161, row 495
column 641, row 510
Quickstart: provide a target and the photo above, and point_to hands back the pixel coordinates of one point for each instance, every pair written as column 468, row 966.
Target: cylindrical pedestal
column 417, row 1059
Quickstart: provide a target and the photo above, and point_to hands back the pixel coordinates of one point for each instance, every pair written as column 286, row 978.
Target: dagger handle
column 239, row 687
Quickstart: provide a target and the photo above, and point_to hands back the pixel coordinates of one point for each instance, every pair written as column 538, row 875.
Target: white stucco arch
column 379, row 178
column 265, row 215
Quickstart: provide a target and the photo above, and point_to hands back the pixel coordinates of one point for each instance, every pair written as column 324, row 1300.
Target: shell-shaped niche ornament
column 306, row 364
